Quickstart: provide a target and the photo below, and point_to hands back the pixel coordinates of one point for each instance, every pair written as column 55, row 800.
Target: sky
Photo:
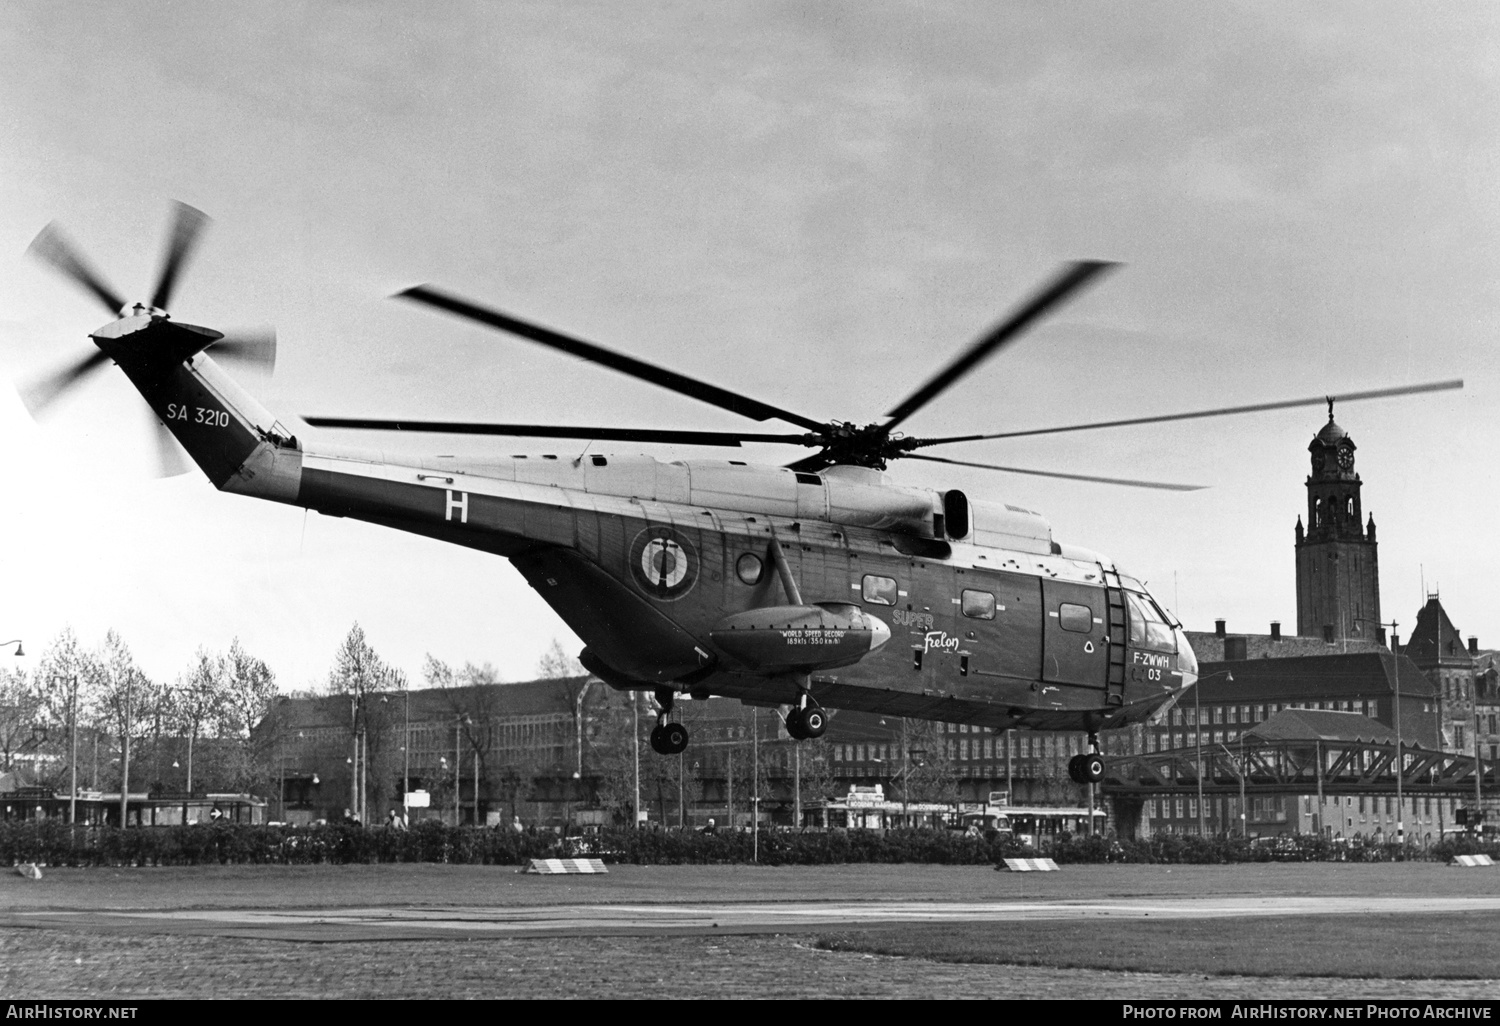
column 818, row 204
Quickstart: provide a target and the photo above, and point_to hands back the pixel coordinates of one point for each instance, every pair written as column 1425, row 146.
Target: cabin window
column 880, row 590
column 978, row 605
column 749, row 568
column 1076, row 618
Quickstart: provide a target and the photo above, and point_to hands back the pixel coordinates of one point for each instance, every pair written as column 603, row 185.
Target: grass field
column 319, row 886
column 1415, row 947
column 1347, row 947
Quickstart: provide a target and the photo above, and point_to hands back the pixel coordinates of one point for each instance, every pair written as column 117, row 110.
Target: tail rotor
column 249, row 349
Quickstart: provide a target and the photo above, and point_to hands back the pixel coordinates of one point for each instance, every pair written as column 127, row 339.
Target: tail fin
column 232, row 438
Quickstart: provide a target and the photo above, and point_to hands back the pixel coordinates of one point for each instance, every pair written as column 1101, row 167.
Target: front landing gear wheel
column 795, row 727
column 814, row 722
column 1091, row 768
column 669, row 738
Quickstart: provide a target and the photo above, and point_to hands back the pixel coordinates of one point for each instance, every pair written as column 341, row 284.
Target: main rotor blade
column 53, row 246
column 40, row 394
column 1222, row 411
column 1067, row 477
column 247, row 349
column 700, row 390
column 187, row 224
column 1072, row 278
column 669, row 436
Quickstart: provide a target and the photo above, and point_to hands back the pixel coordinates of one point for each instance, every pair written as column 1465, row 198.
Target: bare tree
column 575, row 681
column 196, row 702
column 123, row 704
column 929, row 769
column 361, row 675
column 64, row 681
column 617, row 734
column 473, row 700
column 248, row 687
column 21, row 728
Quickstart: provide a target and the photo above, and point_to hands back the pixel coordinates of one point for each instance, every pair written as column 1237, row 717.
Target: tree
column 123, row 703
column 248, row 688
column 476, row 707
column 575, row 681
column 65, row 678
column 359, row 673
column 618, row 736
column 195, row 703
column 20, row 717
column 928, row 765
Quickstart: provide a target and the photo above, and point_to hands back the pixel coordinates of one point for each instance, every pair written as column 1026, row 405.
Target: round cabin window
column 750, row 568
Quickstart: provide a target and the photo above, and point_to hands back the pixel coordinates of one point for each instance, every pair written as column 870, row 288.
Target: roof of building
column 1434, row 638
column 1331, row 432
column 1321, row 725
column 1210, row 646
column 1310, row 677
column 529, row 698
column 14, row 780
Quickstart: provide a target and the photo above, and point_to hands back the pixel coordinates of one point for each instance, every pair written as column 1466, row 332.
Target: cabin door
column 1075, row 632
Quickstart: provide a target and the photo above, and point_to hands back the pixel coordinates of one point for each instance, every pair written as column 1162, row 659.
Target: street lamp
column 16, row 642
column 1198, row 739
column 1396, row 717
column 1239, row 769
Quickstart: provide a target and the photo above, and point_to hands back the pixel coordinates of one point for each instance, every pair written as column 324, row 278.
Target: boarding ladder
column 1119, row 630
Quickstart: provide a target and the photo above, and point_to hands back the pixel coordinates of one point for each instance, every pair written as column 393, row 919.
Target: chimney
column 1218, row 628
column 1395, row 642
column 1328, row 633
column 1275, row 630
column 1473, row 646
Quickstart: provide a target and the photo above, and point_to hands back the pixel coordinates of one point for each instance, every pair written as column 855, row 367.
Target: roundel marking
column 663, row 563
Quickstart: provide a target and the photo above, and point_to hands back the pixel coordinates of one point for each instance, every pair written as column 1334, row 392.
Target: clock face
column 1346, row 458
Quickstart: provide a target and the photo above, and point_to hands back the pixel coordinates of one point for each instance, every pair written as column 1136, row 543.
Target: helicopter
column 821, row 584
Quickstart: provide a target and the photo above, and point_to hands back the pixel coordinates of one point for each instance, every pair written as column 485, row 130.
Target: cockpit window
column 1148, row 627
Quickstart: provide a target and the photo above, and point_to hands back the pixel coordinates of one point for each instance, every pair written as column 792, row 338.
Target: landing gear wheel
column 795, row 727
column 658, row 739
column 814, row 722
column 674, row 737
column 1075, row 771
column 1091, row 768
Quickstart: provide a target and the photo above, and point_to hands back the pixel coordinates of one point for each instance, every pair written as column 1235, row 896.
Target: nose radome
column 879, row 632
column 1187, row 659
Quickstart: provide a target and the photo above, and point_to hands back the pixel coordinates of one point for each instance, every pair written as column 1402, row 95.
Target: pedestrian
column 515, row 825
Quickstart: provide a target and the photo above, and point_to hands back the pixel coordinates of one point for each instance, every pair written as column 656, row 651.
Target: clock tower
column 1338, row 576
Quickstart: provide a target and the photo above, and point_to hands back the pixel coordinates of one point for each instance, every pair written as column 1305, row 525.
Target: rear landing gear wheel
column 1091, row 768
column 1075, row 772
column 669, row 738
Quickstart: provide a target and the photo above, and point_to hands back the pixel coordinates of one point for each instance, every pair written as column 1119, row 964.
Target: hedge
column 54, row 843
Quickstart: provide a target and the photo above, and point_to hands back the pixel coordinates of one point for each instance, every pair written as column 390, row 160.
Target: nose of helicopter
column 1187, row 660
column 879, row 632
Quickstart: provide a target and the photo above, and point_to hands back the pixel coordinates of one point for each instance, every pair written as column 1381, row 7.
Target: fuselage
column 960, row 611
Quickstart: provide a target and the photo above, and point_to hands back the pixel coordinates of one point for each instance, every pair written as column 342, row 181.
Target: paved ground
column 693, row 932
